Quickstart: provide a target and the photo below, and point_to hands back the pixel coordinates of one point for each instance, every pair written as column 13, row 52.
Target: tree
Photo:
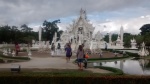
column 106, row 38
column 145, row 29
column 127, row 39
column 25, row 28
column 145, row 33
column 139, row 39
column 49, row 29
column 59, row 33
column 114, row 37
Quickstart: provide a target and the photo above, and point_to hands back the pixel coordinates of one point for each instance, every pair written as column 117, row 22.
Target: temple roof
column 82, row 21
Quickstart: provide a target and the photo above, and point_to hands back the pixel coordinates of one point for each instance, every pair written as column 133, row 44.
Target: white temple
column 81, row 32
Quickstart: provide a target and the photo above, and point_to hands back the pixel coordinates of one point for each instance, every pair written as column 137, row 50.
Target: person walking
column 68, row 52
column 86, row 56
column 52, row 49
column 80, row 56
column 17, row 48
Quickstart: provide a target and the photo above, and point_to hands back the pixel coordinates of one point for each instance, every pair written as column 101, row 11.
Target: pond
column 129, row 66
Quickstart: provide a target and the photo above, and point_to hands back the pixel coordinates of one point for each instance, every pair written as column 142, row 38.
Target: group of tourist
column 81, row 56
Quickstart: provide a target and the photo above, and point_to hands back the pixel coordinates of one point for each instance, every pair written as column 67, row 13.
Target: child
column 86, row 56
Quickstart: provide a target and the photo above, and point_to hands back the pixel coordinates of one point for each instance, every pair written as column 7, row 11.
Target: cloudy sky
column 106, row 15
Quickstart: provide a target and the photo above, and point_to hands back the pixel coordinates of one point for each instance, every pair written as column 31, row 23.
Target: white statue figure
column 13, row 53
column 4, row 51
column 133, row 44
column 9, row 51
column 29, row 54
column 143, row 51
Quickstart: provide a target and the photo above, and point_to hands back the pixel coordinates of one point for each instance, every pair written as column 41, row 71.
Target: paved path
column 49, row 63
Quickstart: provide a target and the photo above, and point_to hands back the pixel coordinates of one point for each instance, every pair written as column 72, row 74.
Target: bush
column 74, row 80
column 114, row 70
column 10, row 57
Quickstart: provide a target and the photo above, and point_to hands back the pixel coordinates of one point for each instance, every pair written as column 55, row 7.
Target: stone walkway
column 45, row 61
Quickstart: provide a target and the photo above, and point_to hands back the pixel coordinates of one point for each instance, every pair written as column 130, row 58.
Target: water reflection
column 135, row 67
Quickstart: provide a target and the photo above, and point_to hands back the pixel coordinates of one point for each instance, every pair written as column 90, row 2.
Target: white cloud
column 19, row 12
column 112, row 13
column 130, row 25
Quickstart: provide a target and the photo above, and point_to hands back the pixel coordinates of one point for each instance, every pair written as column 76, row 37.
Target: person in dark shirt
column 68, row 52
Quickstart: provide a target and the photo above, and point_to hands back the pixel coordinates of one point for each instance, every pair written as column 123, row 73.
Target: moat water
column 129, row 66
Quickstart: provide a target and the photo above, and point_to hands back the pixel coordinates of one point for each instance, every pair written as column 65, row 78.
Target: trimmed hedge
column 119, row 49
column 112, row 69
column 75, row 80
column 18, row 58
column 132, row 54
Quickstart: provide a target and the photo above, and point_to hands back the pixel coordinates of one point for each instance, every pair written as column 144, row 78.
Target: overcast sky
column 106, row 15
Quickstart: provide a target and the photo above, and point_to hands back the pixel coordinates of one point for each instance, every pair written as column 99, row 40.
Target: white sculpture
column 143, row 52
column 119, row 41
column 29, row 54
column 133, row 44
column 9, row 51
column 121, row 35
column 13, row 53
column 4, row 51
column 110, row 38
column 40, row 33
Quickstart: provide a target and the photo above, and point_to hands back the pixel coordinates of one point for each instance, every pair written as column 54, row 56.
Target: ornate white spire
column 83, row 13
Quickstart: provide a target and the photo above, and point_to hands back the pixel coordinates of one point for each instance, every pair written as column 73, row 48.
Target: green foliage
column 114, row 70
column 106, row 38
column 49, row 30
column 14, row 58
column 25, row 28
column 132, row 54
column 114, row 37
column 139, row 39
column 127, row 39
column 145, row 29
column 12, row 34
column 23, row 79
column 145, row 32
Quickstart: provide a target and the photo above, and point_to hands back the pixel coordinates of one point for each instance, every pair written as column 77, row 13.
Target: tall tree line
column 25, row 34
column 12, row 34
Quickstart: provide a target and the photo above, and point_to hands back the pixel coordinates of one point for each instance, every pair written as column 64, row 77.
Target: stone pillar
column 40, row 33
column 121, row 34
column 109, row 38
